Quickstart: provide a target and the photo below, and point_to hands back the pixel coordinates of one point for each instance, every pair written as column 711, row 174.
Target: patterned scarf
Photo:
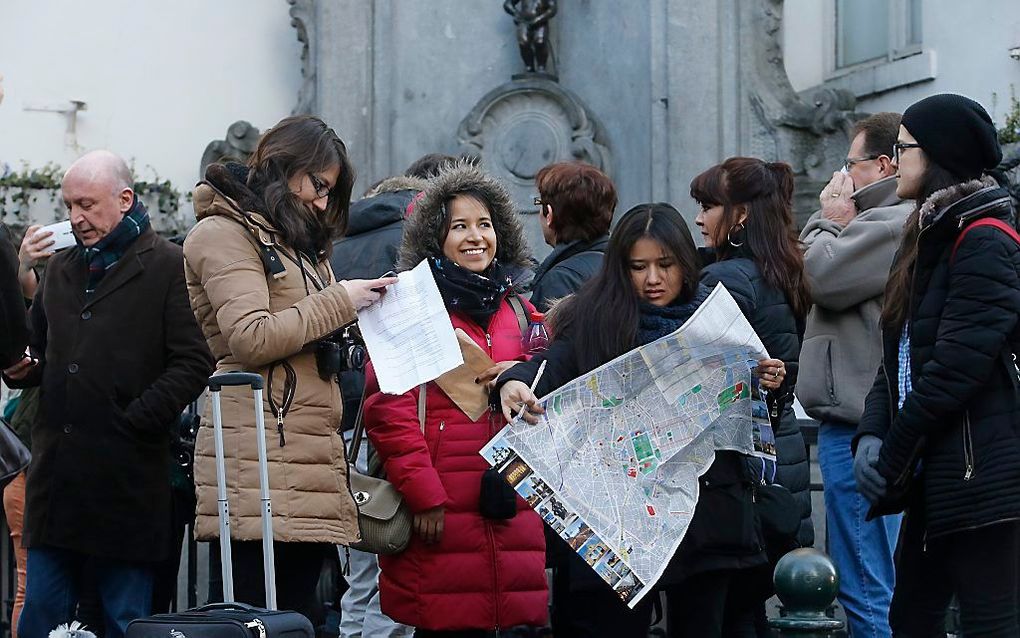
column 105, row 253
column 656, row 322
column 476, row 295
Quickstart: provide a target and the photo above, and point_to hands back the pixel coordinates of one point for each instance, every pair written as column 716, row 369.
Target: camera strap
column 289, row 389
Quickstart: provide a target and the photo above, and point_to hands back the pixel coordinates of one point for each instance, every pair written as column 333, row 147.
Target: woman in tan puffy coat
column 264, row 294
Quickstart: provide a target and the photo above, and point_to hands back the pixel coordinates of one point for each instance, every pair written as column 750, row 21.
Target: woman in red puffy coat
column 462, row 574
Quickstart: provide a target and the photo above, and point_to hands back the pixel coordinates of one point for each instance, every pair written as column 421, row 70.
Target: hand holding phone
column 61, row 234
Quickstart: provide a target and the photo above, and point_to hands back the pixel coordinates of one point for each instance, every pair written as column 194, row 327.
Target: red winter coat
column 483, row 574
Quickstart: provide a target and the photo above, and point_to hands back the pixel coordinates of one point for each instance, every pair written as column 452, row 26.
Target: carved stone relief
column 302, row 18
column 523, row 125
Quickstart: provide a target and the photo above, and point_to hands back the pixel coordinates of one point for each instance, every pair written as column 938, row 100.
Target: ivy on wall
column 20, row 189
column 1010, row 133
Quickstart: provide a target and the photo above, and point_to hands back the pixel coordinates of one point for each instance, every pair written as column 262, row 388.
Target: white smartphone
column 62, row 235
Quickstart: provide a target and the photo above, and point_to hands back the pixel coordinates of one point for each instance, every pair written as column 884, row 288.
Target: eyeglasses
column 899, row 147
column 850, row 161
column 321, row 188
column 540, row 204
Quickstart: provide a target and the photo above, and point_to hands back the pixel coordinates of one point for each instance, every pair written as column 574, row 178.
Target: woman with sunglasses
column 263, row 292
column 940, row 434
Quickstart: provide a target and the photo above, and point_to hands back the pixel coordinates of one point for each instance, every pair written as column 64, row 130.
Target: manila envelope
column 459, row 384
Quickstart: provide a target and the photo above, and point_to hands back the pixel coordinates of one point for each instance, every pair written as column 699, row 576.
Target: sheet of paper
column 408, row 333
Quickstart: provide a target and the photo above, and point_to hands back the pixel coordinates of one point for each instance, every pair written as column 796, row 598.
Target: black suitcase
column 230, row 619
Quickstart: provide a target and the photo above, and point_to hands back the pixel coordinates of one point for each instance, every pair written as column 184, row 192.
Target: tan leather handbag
column 383, row 517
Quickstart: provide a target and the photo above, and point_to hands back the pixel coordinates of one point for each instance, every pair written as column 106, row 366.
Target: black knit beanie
column 956, row 133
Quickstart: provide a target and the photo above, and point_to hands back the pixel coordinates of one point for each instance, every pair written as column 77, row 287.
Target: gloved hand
column 869, row 482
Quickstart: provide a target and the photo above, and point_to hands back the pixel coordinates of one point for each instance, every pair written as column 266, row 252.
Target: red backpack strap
column 987, row 221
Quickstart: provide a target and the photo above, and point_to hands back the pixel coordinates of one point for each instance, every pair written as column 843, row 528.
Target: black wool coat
column 116, row 371
column 770, row 314
column 960, row 425
column 565, row 269
column 13, row 315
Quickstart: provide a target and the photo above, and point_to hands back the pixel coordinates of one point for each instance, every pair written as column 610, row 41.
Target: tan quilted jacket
column 250, row 321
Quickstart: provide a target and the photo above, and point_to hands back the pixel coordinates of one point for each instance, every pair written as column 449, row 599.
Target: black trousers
column 714, row 604
column 978, row 566
column 298, row 568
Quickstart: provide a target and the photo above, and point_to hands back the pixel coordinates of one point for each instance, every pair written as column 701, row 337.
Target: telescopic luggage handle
column 232, row 379
column 216, row 383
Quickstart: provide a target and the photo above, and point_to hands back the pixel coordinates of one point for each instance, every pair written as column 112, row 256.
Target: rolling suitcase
column 230, row 619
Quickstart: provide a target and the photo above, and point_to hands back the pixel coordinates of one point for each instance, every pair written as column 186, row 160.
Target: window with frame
column 873, row 31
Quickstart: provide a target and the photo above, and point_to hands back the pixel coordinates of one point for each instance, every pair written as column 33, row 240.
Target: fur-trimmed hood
column 977, row 197
column 396, row 184
column 422, row 230
column 385, row 204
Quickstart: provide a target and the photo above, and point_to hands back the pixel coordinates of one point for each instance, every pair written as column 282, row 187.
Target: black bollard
column 806, row 583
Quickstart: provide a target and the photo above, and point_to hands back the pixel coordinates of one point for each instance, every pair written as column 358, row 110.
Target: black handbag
column 14, row 456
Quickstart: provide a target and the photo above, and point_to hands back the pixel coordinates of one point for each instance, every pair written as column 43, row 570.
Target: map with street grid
column 613, row 465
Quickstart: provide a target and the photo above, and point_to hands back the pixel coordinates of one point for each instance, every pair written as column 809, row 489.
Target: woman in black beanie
column 940, row 434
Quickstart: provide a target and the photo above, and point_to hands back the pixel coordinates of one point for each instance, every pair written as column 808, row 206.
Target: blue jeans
column 51, row 595
column 861, row 550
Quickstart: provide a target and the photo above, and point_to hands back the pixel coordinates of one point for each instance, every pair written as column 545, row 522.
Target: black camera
column 339, row 353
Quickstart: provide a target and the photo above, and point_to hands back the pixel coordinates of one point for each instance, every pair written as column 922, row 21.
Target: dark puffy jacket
column 771, row 316
column 13, row 315
column 564, row 270
column 367, row 251
column 960, row 419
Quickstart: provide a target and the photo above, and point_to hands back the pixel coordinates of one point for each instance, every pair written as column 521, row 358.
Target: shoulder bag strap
column 359, row 424
column 522, row 316
column 987, row 221
column 1008, row 355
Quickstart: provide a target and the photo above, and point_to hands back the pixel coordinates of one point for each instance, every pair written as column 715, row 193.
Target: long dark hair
column 896, row 307
column 765, row 191
column 602, row 317
column 297, row 146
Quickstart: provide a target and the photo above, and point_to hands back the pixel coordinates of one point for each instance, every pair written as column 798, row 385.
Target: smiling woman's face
column 471, row 240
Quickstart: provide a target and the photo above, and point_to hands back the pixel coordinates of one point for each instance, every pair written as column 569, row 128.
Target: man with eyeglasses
column 849, row 248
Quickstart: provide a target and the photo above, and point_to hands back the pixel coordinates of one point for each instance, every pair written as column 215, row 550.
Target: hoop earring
column 729, row 234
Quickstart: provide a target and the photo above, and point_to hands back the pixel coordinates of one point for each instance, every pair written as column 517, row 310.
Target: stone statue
column 238, row 145
column 532, row 20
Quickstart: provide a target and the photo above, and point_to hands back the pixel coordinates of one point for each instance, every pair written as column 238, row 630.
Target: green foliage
column 19, row 189
column 1010, row 133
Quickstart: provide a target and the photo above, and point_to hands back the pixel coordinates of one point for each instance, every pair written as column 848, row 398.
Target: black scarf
column 478, row 295
column 656, row 322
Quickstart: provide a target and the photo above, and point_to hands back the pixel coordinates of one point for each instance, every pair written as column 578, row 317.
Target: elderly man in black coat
column 119, row 357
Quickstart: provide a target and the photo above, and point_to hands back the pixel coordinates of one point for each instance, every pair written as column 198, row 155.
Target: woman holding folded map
column 476, row 560
column 648, row 287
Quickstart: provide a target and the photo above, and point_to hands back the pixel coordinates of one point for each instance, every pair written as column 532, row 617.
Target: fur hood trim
column 396, row 184
column 423, row 228
column 940, row 201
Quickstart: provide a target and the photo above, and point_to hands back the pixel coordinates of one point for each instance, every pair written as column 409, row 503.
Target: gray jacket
column 848, row 268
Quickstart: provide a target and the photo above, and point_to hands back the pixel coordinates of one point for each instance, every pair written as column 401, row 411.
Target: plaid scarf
column 104, row 254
